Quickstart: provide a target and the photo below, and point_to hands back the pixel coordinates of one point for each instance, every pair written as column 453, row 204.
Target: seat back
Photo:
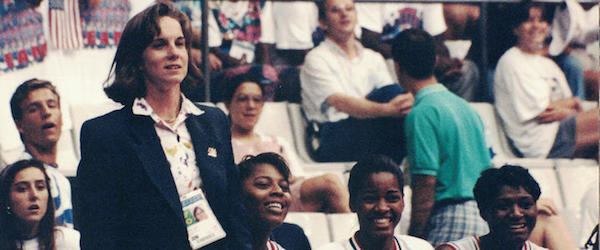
column 299, row 131
column 495, row 136
column 342, row 226
column 314, row 226
column 274, row 120
column 549, row 184
column 575, row 179
column 83, row 112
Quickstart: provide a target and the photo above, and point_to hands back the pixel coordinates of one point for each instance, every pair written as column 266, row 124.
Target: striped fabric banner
column 65, row 24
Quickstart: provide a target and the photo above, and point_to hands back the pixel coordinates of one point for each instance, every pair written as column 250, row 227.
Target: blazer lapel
column 205, row 145
column 149, row 151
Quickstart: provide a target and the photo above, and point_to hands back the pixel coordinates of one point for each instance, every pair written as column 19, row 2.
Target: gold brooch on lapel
column 212, row 152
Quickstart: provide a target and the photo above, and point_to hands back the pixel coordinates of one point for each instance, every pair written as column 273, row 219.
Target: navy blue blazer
column 128, row 199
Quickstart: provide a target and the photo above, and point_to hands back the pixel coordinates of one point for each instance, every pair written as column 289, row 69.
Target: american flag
column 65, row 25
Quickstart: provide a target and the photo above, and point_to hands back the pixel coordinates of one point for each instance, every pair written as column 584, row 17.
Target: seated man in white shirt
column 35, row 108
column 342, row 92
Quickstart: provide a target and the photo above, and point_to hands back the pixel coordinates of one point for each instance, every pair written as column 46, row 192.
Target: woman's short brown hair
column 139, row 32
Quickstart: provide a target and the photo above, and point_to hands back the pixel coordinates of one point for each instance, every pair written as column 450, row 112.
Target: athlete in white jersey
column 472, row 243
column 506, row 198
column 401, row 242
column 376, row 196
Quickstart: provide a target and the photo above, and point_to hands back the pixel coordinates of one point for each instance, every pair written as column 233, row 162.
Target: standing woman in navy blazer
column 138, row 161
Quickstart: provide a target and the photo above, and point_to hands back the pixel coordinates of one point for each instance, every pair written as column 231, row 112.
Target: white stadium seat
column 83, row 112
column 314, row 226
column 342, row 226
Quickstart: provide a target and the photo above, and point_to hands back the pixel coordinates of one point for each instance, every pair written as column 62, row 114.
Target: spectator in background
column 376, row 188
column 35, row 108
column 533, row 99
column 461, row 19
column 193, row 9
column 294, row 23
column 244, row 98
column 27, row 217
column 461, row 77
column 392, row 18
column 574, row 28
column 247, row 30
column 446, row 146
column 337, row 78
column 506, row 198
column 138, row 163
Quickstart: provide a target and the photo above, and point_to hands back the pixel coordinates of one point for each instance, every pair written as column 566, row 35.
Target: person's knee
column 332, row 183
column 328, row 185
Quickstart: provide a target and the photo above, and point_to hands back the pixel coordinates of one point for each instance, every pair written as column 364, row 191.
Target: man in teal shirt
column 446, row 147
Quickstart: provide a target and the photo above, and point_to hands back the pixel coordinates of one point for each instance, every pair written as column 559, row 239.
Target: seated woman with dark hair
column 27, row 222
column 540, row 116
column 245, row 98
column 266, row 195
column 376, row 187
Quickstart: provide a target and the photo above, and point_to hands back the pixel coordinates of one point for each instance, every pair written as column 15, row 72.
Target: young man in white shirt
column 35, row 107
column 343, row 92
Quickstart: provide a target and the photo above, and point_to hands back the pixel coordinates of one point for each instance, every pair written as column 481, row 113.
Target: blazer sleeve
column 98, row 193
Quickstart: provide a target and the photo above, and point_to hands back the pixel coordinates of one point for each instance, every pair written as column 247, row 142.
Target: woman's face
column 29, row 195
column 379, row 205
column 246, row 106
column 532, row 32
column 199, row 214
column 267, row 196
column 512, row 215
column 165, row 60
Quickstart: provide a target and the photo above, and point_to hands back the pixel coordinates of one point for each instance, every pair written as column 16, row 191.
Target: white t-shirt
column 328, row 70
column 64, row 238
column 406, row 243
column 295, row 22
column 472, row 243
column 524, row 85
column 401, row 16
